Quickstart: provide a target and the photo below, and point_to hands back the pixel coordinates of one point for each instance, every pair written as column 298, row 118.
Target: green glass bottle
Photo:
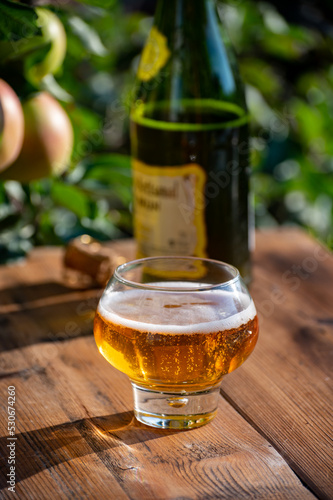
column 189, row 139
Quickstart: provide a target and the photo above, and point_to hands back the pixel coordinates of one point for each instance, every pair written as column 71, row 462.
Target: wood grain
column 77, row 437
column 285, row 388
column 36, row 305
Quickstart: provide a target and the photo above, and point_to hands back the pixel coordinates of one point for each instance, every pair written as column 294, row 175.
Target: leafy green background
column 288, row 73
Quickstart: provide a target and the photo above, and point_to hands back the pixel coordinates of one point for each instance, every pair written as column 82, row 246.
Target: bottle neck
column 191, row 58
column 176, row 12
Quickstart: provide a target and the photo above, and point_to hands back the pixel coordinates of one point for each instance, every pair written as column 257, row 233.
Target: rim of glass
column 148, row 286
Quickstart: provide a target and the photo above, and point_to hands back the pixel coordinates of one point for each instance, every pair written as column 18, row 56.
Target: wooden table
column 76, row 434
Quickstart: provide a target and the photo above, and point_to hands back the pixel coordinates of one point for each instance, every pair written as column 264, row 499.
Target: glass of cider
column 176, row 326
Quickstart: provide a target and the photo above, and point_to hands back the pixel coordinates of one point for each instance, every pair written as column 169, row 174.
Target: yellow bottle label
column 169, row 209
column 154, row 56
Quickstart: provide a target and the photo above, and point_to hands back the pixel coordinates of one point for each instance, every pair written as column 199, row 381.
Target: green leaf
column 20, row 33
column 261, row 76
column 105, row 176
column 71, row 197
column 16, row 49
column 111, row 174
column 105, row 4
column 109, row 168
column 50, row 84
column 289, row 46
column 89, row 37
column 17, row 21
column 10, row 220
column 87, row 127
column 309, row 120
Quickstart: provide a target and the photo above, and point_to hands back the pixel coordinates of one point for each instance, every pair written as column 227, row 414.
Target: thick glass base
column 175, row 410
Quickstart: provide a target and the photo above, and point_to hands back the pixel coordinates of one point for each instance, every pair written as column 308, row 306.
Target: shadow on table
column 45, row 448
column 21, row 294
column 45, row 312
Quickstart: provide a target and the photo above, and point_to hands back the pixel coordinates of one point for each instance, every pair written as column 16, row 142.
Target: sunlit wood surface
column 76, row 433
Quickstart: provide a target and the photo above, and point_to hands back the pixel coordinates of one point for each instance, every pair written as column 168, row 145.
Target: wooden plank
column 285, row 388
column 281, row 390
column 41, row 274
column 36, row 305
column 77, row 437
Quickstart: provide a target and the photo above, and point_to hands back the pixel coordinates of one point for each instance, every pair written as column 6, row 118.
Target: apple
column 48, row 141
column 12, row 125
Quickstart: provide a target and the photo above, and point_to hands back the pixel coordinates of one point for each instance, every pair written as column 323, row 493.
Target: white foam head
column 202, row 311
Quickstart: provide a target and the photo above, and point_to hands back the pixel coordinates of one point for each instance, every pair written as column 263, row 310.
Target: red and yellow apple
column 47, row 143
column 12, row 133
